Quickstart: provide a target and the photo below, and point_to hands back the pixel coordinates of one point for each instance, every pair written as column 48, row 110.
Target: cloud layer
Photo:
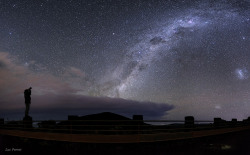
column 60, row 95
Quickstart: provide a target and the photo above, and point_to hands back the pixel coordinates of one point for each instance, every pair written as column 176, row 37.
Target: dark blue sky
column 192, row 56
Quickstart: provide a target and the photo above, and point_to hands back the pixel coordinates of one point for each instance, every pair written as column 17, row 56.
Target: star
column 193, row 55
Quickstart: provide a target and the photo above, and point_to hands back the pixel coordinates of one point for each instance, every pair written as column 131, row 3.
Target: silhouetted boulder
column 233, row 122
column 246, row 121
column 189, row 121
column 218, row 122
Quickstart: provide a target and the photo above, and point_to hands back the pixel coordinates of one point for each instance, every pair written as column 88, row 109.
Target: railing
column 113, row 127
column 114, row 131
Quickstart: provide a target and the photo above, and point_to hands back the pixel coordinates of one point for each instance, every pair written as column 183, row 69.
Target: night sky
column 162, row 59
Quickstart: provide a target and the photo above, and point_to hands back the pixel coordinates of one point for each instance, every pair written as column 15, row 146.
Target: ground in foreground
column 230, row 143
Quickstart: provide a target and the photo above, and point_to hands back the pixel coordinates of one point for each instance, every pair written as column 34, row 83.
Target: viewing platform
column 92, row 129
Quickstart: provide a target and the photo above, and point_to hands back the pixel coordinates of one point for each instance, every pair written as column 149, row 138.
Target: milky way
column 201, row 45
column 159, row 42
column 193, row 55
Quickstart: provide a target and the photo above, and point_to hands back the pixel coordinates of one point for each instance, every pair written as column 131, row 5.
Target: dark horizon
column 37, row 115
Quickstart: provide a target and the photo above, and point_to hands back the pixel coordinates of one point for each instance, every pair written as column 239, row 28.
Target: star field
column 193, row 55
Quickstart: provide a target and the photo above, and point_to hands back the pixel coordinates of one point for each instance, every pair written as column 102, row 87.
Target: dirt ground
column 231, row 143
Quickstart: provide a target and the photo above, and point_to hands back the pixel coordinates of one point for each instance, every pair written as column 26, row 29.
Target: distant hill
column 99, row 116
column 103, row 123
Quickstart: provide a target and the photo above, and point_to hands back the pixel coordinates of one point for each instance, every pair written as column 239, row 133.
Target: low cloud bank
column 82, row 105
column 56, row 96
